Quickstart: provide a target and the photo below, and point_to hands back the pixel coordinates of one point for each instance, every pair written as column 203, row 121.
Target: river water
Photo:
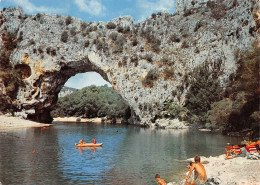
column 130, row 154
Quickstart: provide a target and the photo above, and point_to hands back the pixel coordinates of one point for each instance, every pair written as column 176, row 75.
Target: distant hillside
column 66, row 91
column 92, row 101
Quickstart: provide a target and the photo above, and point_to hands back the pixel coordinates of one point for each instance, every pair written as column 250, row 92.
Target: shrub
column 198, row 25
column 204, row 90
column 119, row 44
column 99, row 44
column 135, row 42
column 64, row 36
column 68, row 20
column 73, row 31
column 169, row 73
column 151, row 76
column 174, row 38
column 149, row 58
column 83, row 26
column 48, row 50
column 86, row 44
column 174, row 111
column 31, row 42
column 134, row 59
column 53, row 52
column 113, row 36
column 111, row 25
column 220, row 112
column 120, row 29
column 184, row 45
column 156, row 45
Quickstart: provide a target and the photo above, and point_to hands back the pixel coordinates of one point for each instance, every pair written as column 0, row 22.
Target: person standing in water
column 200, row 176
column 159, row 180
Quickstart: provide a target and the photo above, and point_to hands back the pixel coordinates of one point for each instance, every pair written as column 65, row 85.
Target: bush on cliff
column 243, row 96
column 204, row 90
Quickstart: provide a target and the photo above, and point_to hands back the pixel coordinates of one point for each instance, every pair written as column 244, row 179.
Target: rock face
column 66, row 91
column 145, row 62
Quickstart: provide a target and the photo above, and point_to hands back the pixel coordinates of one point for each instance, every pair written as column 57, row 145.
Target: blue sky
column 92, row 11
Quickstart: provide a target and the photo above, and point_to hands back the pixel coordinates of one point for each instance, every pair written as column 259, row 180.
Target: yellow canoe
column 89, row 145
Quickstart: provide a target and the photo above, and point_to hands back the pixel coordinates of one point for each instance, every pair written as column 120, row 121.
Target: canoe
column 89, row 145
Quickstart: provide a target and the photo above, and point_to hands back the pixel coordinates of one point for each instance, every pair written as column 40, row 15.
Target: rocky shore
column 235, row 171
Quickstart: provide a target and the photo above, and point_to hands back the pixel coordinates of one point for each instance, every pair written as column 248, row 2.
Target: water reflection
column 129, row 155
column 20, row 165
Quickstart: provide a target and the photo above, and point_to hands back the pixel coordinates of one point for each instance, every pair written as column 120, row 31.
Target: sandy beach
column 237, row 171
column 74, row 119
column 8, row 123
column 82, row 120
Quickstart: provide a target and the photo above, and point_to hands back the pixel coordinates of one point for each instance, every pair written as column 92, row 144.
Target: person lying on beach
column 231, row 153
column 200, row 176
column 159, row 180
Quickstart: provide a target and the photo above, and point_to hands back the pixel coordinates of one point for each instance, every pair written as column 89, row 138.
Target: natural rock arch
column 145, row 62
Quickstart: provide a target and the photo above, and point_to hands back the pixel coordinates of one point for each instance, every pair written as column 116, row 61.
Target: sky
column 93, row 11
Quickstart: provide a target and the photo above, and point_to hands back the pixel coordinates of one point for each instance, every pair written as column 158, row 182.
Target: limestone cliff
column 145, row 62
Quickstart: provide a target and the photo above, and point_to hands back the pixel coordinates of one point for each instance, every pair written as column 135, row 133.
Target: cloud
column 93, row 7
column 28, row 7
column 148, row 7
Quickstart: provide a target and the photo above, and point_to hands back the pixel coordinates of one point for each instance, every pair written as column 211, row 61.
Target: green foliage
column 135, row 42
column 218, row 10
column 220, row 113
column 119, row 44
column 73, row 31
column 91, row 102
column 151, row 76
column 169, row 73
column 176, row 111
column 100, row 44
column 113, row 36
column 247, row 77
column 68, row 20
column 242, row 93
column 64, row 36
column 83, row 26
column 204, row 90
column 111, row 25
column 174, row 38
column 120, row 29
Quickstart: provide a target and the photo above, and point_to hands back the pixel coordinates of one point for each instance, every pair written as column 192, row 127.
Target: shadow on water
column 129, row 155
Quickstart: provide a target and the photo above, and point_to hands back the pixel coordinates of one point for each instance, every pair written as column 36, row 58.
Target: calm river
column 130, row 155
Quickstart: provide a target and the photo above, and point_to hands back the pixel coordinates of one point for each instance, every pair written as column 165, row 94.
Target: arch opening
column 87, row 96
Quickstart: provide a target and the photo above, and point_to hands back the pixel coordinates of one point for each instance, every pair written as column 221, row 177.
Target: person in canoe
column 159, row 180
column 81, row 141
column 94, row 141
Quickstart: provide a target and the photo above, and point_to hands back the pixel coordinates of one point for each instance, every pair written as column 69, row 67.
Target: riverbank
column 75, row 119
column 233, row 171
column 83, row 120
column 9, row 123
